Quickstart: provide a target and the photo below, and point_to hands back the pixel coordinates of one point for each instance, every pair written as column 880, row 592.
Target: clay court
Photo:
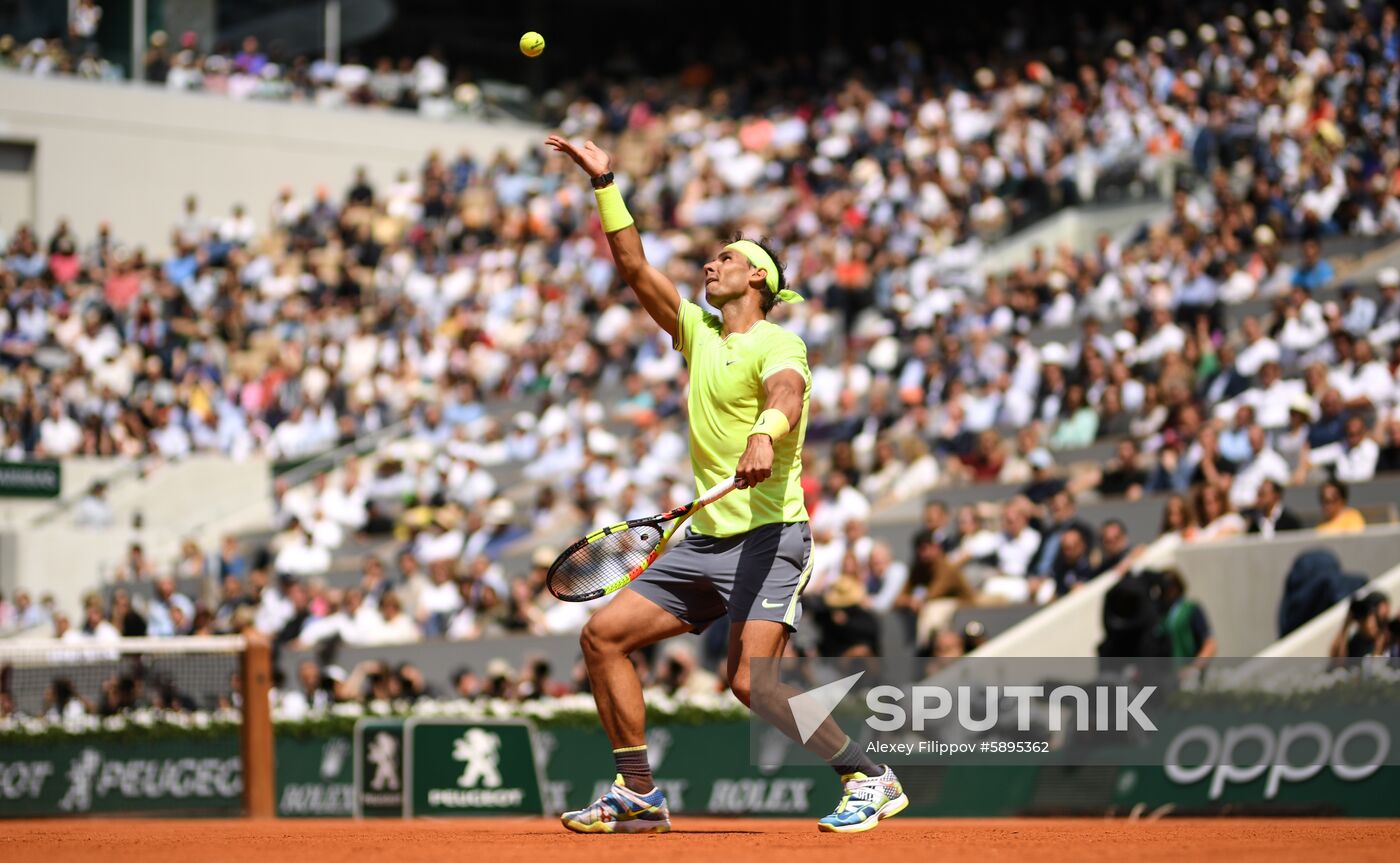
column 695, row 839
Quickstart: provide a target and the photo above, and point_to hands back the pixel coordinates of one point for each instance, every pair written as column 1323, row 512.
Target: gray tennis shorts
column 751, row 576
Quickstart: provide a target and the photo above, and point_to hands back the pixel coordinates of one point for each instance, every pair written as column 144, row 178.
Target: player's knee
column 597, row 639
column 740, row 687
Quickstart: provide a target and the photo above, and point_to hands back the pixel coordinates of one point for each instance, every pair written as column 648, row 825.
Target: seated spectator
column 394, row 627
column 1330, row 425
column 301, row 556
column 1337, row 517
column 1269, row 515
column 1116, row 552
column 1178, row 518
column 94, row 510
column 95, row 626
column 1044, row 480
column 1123, row 475
column 1353, row 459
column 308, row 697
column 1218, row 519
column 1061, row 515
column 1313, row 273
column 1260, row 465
column 1078, row 424
column 843, row 615
column 1017, row 544
column 165, row 606
column 983, row 463
column 933, row 591
column 1072, row 567
column 885, row 578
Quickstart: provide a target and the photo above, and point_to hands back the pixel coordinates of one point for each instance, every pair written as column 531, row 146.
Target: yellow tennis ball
column 532, row 44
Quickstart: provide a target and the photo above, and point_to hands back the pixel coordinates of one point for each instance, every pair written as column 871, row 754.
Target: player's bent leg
column 629, row 622
column 868, row 798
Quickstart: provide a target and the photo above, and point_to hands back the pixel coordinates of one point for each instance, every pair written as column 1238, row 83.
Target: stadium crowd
column 473, row 301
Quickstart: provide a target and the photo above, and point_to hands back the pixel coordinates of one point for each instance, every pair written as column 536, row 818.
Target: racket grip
column 716, row 491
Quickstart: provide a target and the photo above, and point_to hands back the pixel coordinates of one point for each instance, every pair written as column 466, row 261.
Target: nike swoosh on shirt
column 774, row 605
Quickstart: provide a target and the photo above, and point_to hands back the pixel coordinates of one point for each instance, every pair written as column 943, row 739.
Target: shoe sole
column 634, row 826
column 889, row 810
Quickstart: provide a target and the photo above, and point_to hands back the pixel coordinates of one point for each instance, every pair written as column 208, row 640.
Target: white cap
column 1124, row 341
column 1040, row 458
column 501, row 511
column 603, row 443
column 1388, row 277
column 1054, row 354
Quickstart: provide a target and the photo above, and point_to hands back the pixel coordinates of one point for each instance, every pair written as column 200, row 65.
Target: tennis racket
column 609, row 559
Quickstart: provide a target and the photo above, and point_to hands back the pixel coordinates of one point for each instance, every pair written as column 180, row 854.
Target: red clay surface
column 697, row 839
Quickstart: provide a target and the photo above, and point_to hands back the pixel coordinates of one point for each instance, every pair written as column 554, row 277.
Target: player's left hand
column 756, row 464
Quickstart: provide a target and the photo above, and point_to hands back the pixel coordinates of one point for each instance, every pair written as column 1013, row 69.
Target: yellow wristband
column 773, row 423
column 611, row 209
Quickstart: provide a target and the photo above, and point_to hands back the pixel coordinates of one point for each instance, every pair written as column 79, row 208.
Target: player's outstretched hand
column 756, row 464
column 590, row 157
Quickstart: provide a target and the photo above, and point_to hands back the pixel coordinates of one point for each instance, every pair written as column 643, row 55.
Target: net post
column 258, row 775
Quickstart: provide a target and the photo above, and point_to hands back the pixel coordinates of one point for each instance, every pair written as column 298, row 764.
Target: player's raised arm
column 657, row 293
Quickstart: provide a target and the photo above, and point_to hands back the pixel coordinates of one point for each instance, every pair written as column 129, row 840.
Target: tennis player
column 749, row 554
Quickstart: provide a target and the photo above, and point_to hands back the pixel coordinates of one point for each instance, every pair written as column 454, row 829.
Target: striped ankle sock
column 850, row 759
column 635, row 769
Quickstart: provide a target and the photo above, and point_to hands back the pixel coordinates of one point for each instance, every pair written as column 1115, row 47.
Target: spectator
column 95, row 627
column 165, row 606
column 844, row 617
column 1188, row 630
column 1123, row 475
column 1017, row 544
column 1261, row 465
column 1116, row 551
column 1353, row 459
column 1218, row 519
column 1269, row 515
column 1337, row 516
column 93, row 510
column 308, row 698
column 1313, row 273
column 1072, row 566
column 1078, row 425
column 934, row 590
column 395, row 626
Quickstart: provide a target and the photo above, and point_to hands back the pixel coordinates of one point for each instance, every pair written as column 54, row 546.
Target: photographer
column 1366, row 631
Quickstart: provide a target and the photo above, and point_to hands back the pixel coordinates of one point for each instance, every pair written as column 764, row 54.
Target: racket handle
column 715, row 492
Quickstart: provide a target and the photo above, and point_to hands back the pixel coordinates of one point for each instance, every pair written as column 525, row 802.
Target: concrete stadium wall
column 1071, row 626
column 1239, row 583
column 131, row 152
column 1314, row 638
column 201, row 497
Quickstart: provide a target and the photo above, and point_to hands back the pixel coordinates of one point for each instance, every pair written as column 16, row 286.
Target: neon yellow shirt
column 726, row 397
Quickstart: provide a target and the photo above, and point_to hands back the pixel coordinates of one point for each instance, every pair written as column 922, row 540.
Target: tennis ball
column 532, row 44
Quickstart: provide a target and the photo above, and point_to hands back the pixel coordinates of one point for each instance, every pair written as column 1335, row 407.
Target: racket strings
column 598, row 564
